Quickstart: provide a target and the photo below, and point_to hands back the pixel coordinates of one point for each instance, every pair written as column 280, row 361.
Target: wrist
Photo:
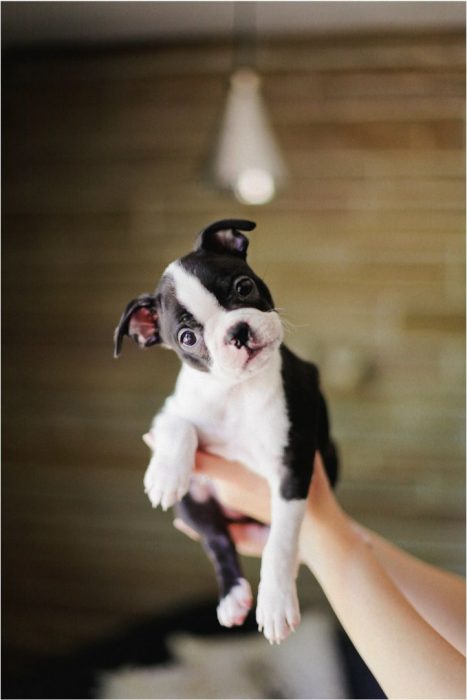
column 328, row 538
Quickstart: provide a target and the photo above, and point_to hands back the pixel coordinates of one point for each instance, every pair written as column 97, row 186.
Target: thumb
column 148, row 438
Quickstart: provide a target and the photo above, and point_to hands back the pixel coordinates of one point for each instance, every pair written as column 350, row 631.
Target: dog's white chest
column 246, row 422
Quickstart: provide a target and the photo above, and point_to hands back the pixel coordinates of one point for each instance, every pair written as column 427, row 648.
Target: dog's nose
column 238, row 335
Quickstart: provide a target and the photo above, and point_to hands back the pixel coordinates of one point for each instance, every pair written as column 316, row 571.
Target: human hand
column 240, row 490
column 243, row 491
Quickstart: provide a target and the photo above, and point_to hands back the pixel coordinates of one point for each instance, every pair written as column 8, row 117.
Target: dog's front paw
column 277, row 612
column 235, row 606
column 166, row 483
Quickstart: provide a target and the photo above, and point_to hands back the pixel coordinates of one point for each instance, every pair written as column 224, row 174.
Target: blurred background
column 112, row 117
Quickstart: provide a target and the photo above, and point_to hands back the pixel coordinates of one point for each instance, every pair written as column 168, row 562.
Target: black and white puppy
column 240, row 394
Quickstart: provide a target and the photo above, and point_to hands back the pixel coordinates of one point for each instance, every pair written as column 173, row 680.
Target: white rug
column 307, row 665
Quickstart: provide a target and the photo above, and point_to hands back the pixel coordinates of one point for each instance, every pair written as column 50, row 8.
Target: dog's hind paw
column 277, row 613
column 234, row 607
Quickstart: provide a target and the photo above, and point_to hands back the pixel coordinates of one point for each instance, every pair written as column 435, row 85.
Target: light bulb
column 255, row 186
column 247, row 159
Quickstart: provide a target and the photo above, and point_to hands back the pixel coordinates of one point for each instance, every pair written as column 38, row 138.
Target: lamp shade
column 247, row 159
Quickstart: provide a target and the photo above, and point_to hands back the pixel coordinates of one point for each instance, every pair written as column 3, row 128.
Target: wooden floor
column 103, row 185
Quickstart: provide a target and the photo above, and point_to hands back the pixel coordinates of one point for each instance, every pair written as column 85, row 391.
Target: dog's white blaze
column 191, row 294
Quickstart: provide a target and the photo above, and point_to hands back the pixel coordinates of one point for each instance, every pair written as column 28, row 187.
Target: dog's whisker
column 291, row 325
column 286, row 322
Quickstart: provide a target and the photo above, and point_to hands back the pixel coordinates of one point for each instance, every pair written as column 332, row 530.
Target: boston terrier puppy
column 240, row 394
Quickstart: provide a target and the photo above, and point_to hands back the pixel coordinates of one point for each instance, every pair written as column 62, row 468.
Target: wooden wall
column 103, row 161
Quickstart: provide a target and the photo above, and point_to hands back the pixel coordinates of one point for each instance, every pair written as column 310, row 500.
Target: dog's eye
column 187, row 337
column 244, row 286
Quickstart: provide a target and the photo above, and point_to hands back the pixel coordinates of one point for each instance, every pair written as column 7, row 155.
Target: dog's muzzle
column 241, row 341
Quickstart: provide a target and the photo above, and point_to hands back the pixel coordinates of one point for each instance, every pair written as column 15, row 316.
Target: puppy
column 240, row 394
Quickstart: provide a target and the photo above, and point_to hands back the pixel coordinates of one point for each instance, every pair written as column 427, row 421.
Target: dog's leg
column 278, row 611
column 201, row 511
column 174, row 442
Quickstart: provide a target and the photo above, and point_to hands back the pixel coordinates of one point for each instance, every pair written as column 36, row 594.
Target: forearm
column 407, row 656
column 438, row 596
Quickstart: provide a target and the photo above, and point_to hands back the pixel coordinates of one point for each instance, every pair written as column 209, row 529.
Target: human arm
column 407, row 655
column 437, row 595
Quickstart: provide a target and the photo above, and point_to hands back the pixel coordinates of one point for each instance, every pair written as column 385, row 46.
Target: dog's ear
column 140, row 321
column 225, row 237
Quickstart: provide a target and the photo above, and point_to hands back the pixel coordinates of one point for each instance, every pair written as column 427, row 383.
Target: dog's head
column 209, row 307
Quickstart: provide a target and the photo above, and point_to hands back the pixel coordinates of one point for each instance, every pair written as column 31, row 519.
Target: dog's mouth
column 243, row 337
column 253, row 351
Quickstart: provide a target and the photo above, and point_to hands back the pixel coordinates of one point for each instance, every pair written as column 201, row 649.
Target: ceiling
column 39, row 23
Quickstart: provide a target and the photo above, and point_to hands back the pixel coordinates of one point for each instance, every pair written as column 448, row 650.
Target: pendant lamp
column 247, row 158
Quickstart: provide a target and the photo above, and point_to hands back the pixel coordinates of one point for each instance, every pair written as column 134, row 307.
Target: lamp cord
column 244, row 34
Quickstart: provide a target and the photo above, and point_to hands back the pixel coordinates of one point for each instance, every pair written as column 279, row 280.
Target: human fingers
column 249, row 538
column 148, row 438
column 242, row 490
column 238, row 488
column 185, row 529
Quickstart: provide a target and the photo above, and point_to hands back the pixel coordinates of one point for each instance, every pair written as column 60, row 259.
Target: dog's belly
column 236, row 452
